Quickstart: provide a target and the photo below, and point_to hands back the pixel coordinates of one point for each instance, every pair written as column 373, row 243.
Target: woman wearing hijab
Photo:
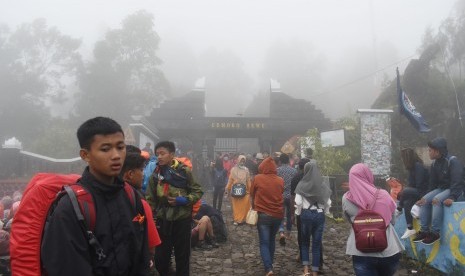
column 267, row 198
column 311, row 196
column 240, row 205
column 361, row 195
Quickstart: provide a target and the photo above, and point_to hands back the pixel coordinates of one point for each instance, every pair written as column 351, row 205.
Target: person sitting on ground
column 418, row 178
column 447, row 185
column 202, row 236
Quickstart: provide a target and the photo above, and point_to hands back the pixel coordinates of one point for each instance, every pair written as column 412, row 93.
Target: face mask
column 225, row 158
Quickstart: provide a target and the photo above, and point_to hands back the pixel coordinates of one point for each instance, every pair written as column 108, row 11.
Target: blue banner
column 407, row 108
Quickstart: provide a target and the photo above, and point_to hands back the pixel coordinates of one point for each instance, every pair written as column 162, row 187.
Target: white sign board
column 334, row 138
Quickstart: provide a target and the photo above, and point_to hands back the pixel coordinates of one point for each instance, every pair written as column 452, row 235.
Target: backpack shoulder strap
column 83, row 202
column 131, row 195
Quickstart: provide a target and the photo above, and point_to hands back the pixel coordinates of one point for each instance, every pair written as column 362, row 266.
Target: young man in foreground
column 119, row 227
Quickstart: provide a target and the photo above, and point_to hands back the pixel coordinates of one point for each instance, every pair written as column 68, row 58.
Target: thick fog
column 335, row 54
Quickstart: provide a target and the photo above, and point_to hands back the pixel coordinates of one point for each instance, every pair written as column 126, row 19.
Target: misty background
column 317, row 50
column 64, row 61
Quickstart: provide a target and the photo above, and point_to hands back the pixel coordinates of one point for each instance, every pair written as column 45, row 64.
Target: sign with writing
column 237, row 125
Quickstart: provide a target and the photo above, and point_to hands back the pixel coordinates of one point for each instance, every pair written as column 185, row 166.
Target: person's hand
column 448, row 202
column 421, row 202
column 435, row 201
column 177, row 201
column 172, row 201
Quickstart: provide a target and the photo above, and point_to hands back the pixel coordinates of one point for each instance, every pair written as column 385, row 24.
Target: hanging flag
column 407, row 108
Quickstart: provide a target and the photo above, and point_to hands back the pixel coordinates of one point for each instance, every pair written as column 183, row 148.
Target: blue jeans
column 288, row 218
column 433, row 217
column 374, row 266
column 267, row 227
column 312, row 224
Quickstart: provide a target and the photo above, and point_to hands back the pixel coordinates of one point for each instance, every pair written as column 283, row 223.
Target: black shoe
column 431, row 238
column 213, row 243
column 420, row 236
column 202, row 245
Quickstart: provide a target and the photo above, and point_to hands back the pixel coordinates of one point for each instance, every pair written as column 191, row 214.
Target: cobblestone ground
column 240, row 255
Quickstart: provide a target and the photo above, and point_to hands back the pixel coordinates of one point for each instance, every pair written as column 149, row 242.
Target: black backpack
column 219, row 228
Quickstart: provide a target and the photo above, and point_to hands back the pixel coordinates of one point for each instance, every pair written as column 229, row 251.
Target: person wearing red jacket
column 267, row 199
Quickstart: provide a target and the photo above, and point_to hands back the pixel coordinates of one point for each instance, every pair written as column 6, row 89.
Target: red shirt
column 153, row 237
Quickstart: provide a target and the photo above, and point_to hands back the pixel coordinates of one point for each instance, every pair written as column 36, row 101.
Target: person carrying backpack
column 171, row 193
column 363, row 195
column 120, row 228
column 446, row 185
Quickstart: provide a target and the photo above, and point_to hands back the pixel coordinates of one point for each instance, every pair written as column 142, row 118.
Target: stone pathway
column 240, row 255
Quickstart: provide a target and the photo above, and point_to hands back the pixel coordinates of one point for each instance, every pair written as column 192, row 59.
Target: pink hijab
column 362, row 192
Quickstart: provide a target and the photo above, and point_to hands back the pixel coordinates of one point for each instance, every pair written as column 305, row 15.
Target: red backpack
column 39, row 199
column 370, row 230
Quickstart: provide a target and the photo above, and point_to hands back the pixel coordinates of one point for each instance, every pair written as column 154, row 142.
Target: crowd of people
column 169, row 216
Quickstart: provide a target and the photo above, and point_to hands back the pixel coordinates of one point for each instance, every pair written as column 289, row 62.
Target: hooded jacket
column 65, row 249
column 267, row 190
column 446, row 171
column 177, row 180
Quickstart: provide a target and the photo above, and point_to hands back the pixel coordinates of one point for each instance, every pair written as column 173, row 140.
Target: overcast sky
column 248, row 27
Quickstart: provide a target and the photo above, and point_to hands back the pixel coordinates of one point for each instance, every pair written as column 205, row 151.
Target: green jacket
column 159, row 202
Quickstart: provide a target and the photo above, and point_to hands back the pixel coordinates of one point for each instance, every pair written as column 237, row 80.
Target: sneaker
column 431, row 238
column 235, row 223
column 213, row 243
column 408, row 233
column 420, row 236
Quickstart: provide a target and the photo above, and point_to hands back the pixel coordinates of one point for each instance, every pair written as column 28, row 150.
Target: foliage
column 124, row 78
column 351, row 126
column 36, row 64
column 58, row 140
column 330, row 160
column 434, row 83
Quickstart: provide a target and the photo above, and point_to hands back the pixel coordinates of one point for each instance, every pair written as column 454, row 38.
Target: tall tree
column 37, row 64
column 124, row 78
